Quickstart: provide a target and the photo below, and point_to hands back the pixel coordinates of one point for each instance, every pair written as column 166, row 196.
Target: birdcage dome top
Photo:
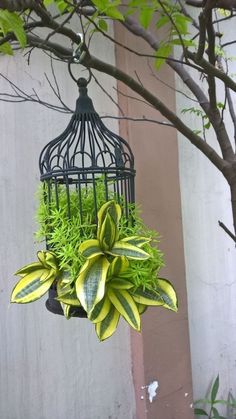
column 86, row 146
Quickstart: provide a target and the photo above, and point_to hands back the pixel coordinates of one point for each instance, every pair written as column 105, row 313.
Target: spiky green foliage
column 101, row 261
column 64, row 236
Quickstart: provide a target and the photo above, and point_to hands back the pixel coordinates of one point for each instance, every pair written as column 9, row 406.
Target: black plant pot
column 55, row 307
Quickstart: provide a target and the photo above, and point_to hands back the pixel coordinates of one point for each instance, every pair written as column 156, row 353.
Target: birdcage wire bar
column 84, row 153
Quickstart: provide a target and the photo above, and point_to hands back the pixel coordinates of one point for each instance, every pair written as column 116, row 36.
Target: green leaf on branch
column 145, row 16
column 109, row 8
column 102, row 24
column 162, row 54
column 12, row 22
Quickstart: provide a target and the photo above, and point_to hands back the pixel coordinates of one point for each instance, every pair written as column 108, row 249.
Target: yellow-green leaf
column 136, row 240
column 90, row 284
column 42, row 257
column 120, row 284
column 108, row 233
column 147, row 297
column 30, row 288
column 27, row 269
column 90, row 248
column 12, row 22
column 114, row 211
column 100, row 310
column 66, row 310
column 146, row 15
column 108, row 325
column 50, row 260
column 48, row 274
column 114, row 13
column 69, row 298
column 62, row 287
column 168, row 294
column 6, row 48
column 121, row 248
column 118, row 266
column 126, row 306
column 141, row 308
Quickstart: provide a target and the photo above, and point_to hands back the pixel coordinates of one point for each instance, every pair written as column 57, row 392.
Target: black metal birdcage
column 85, row 153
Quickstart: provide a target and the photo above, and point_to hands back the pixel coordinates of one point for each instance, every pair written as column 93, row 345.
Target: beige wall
column 161, row 353
column 209, row 251
column 53, row 368
column 50, row 368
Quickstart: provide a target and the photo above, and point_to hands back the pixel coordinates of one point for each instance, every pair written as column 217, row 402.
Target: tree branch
column 214, row 117
column 93, row 62
column 230, row 234
column 231, row 111
column 55, row 48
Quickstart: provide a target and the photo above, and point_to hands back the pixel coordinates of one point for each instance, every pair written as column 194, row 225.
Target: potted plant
column 104, row 268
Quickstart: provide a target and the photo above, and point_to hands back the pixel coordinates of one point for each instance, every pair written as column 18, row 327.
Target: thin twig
column 107, row 94
column 144, row 119
column 222, row 225
column 169, row 86
column 133, row 98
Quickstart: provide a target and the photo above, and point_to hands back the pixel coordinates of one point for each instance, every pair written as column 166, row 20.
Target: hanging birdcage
column 87, row 151
column 85, row 154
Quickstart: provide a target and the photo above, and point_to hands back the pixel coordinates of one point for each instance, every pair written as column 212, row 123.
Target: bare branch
column 19, row 95
column 144, row 119
column 107, row 94
column 230, row 234
column 93, row 62
column 221, row 4
column 231, row 111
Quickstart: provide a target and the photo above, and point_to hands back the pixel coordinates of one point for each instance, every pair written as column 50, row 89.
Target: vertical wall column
column 161, row 355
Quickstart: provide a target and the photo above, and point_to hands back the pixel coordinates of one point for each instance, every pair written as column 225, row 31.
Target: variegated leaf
column 108, row 233
column 168, row 294
column 122, row 248
column 30, row 288
column 120, row 284
column 42, row 257
column 69, row 298
column 90, row 248
column 27, row 269
column 126, row 306
column 118, row 266
column 50, row 260
column 141, row 308
column 48, row 274
column 90, row 284
column 66, row 310
column 147, row 297
column 62, row 287
column 100, row 311
column 108, row 325
column 114, row 211
column 136, row 240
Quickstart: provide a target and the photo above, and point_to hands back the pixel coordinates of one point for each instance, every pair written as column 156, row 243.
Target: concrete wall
column 210, row 258
column 162, row 352
column 49, row 367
